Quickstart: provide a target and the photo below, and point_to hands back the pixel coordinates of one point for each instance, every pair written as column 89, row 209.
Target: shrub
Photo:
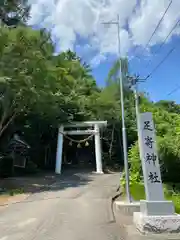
column 133, row 178
column 13, row 192
column 138, row 193
column 169, row 158
column 134, row 159
column 168, row 151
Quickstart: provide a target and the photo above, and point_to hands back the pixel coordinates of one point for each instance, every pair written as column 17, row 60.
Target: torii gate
column 96, row 132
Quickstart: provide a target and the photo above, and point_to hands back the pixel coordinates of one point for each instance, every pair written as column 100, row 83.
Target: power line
column 159, row 23
column 157, row 26
column 162, row 44
column 161, row 62
column 173, row 91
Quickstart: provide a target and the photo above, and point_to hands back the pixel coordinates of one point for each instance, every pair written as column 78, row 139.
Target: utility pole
column 124, row 135
column 134, row 83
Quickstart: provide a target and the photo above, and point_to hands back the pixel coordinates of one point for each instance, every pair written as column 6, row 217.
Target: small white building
column 93, row 128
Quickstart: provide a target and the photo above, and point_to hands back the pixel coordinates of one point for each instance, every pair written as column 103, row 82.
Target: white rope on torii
column 95, row 132
column 76, row 141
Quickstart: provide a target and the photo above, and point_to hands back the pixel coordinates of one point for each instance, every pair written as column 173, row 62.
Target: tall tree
column 57, row 88
column 14, row 12
column 170, row 106
column 113, row 75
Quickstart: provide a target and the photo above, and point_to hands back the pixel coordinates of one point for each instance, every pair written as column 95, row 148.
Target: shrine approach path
column 76, row 207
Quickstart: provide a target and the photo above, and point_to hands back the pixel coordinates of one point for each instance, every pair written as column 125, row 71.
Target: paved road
column 77, row 207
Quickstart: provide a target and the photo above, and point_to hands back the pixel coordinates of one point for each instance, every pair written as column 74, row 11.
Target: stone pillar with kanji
column 156, row 214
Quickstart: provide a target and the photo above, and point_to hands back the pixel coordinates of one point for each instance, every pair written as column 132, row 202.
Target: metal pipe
column 123, row 117
column 122, row 111
column 137, row 105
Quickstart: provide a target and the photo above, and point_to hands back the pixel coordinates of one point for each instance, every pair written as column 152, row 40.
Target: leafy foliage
column 14, row 12
column 168, row 142
column 169, row 106
column 40, row 90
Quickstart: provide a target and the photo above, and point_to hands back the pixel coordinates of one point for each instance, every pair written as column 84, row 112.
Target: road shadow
column 46, row 181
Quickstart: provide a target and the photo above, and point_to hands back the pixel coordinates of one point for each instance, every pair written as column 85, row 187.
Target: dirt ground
column 25, row 186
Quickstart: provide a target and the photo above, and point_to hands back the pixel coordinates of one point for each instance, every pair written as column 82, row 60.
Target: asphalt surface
column 76, row 207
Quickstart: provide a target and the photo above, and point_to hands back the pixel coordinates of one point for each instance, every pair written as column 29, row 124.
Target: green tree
column 113, row 75
column 168, row 141
column 14, row 12
column 170, row 106
column 28, row 76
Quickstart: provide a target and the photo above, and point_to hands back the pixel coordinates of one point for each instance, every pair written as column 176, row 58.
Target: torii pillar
column 98, row 149
column 59, row 150
column 95, row 132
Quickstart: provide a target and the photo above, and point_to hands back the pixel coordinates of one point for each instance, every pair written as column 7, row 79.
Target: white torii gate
column 96, row 132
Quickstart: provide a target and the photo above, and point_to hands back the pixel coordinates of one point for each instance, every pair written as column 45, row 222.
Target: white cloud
column 97, row 59
column 143, row 23
column 68, row 20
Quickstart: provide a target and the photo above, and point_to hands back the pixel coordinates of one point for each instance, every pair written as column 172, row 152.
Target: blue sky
column 166, row 78
column 163, row 81
column 77, row 25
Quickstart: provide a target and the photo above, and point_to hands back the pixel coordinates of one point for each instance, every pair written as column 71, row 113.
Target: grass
column 138, row 193
column 12, row 192
column 16, row 191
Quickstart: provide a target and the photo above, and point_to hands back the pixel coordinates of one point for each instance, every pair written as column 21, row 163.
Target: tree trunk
column 3, row 128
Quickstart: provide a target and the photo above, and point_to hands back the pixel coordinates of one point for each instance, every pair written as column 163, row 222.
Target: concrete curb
column 126, row 208
column 134, row 234
column 124, row 217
